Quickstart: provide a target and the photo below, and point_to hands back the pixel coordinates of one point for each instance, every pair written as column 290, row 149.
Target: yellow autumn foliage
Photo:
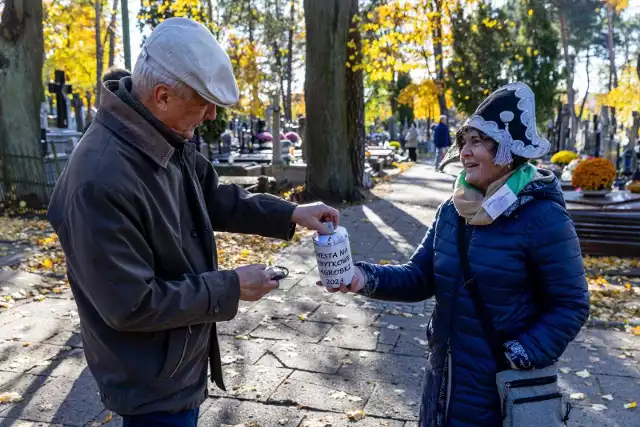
column 626, row 97
column 70, row 41
column 423, row 99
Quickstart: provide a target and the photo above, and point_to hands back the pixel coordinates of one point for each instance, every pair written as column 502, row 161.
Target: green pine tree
column 481, row 49
column 535, row 54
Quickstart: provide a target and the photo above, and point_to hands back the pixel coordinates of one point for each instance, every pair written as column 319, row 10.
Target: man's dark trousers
column 163, row 419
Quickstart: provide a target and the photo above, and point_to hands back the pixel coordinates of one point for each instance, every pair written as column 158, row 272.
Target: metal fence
column 27, row 178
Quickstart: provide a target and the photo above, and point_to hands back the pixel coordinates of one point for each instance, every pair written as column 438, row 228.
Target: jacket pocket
column 534, row 411
column 177, row 344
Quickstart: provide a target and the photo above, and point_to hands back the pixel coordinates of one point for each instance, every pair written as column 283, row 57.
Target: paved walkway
column 302, row 356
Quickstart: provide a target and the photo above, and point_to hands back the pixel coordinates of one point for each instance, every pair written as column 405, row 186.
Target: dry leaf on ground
column 355, row 415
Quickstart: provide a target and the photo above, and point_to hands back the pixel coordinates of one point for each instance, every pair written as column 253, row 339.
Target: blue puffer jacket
column 530, row 272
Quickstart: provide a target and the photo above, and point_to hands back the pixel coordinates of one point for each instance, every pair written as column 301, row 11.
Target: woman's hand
column 356, row 285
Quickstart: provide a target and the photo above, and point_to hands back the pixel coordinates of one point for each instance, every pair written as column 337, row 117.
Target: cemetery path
column 302, row 356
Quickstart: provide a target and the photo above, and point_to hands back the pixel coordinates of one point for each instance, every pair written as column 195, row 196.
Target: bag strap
column 471, row 285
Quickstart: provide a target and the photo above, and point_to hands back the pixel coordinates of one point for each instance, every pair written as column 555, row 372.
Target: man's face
column 182, row 112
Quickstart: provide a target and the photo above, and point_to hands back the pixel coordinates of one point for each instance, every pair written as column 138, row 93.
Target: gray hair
column 145, row 79
column 443, row 119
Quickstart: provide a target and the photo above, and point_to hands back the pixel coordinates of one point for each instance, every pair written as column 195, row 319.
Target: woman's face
column 477, row 156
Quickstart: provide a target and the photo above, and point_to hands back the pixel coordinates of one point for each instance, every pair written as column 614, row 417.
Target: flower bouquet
column 594, row 176
column 563, row 158
column 567, row 172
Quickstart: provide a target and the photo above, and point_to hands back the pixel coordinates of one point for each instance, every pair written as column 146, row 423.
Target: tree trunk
column 22, row 172
column 112, row 33
column 330, row 173
column 439, row 57
column 573, row 120
column 288, row 105
column 126, row 43
column 586, row 93
column 99, row 55
column 613, row 77
column 355, row 102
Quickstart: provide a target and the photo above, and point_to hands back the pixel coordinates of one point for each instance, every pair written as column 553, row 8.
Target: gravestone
column 60, row 89
column 606, row 226
column 277, row 148
column 77, row 108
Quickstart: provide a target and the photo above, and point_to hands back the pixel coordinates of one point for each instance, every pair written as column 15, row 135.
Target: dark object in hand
column 277, row 272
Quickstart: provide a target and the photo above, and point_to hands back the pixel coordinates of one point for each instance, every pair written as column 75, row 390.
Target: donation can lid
column 337, row 236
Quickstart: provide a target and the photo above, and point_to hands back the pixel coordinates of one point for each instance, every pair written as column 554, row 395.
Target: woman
column 522, row 251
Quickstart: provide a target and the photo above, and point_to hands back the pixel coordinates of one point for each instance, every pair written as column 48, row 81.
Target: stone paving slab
column 598, row 360
column 218, row 412
column 234, row 350
column 309, row 357
column 69, row 402
column 385, row 367
column 393, row 400
column 251, row 382
column 325, row 392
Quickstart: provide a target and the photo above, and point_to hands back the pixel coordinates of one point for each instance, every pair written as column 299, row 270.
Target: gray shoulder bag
column 529, row 398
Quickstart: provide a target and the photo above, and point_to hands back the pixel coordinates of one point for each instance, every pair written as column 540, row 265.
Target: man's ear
column 161, row 97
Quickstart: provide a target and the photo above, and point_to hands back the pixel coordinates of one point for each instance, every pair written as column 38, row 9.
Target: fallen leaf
column 392, row 327
column 242, row 337
column 283, row 421
column 354, row 399
column 630, row 405
column 607, row 397
column 338, row 395
column 108, row 418
column 398, row 391
column 577, row 396
column 355, row 415
column 598, row 407
column 302, row 316
column 565, row 370
column 47, row 264
column 341, row 316
column 636, row 331
column 407, row 315
column 583, row 374
column 10, row 397
column 421, row 342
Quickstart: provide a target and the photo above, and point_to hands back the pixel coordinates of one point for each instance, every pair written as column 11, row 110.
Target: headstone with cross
column 61, row 90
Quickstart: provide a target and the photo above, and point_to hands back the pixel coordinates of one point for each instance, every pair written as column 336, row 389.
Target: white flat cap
column 185, row 50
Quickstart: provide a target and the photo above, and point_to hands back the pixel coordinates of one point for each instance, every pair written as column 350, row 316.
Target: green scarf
column 468, row 200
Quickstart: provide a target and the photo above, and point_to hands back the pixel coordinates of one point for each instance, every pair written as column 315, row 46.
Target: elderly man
column 135, row 211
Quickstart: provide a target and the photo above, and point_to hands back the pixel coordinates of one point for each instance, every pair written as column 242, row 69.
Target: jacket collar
column 130, row 126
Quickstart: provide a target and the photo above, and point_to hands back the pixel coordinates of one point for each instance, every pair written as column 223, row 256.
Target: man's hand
column 356, row 285
column 255, row 282
column 313, row 215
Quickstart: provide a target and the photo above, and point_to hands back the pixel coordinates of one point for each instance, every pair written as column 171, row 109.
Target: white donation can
column 333, row 254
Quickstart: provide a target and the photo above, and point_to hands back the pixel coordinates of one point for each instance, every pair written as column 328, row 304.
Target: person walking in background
column 411, row 142
column 502, row 251
column 441, row 139
column 112, row 73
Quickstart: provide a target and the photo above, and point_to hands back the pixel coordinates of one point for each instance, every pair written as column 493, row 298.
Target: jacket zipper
column 450, row 348
column 184, row 352
column 449, row 365
column 532, row 382
column 542, row 398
